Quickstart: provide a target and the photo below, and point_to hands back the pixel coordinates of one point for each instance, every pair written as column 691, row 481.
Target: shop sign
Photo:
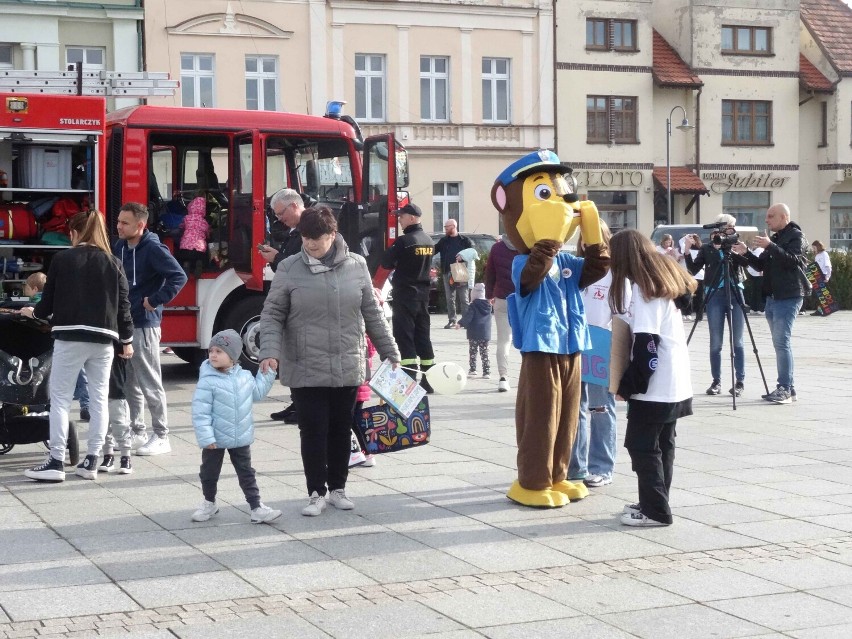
column 592, row 179
column 722, row 182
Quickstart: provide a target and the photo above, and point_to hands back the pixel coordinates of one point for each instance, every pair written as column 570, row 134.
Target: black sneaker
column 288, row 415
column 88, row 468
column 84, row 415
column 51, row 470
column 125, row 467
column 715, row 388
column 450, row 325
column 424, row 383
column 737, row 389
column 107, row 464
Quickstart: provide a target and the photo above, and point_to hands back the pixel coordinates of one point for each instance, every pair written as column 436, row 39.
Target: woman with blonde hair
column 85, row 300
column 656, row 383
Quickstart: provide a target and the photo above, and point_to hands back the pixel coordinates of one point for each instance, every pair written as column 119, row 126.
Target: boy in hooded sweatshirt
column 477, row 321
column 221, row 416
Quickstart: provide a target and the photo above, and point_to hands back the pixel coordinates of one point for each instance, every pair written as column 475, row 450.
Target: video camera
column 722, row 237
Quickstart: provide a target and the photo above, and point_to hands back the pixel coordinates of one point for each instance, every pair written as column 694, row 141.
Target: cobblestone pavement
column 761, row 546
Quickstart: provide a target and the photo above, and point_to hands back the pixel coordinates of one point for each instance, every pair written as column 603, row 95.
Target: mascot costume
column 540, row 212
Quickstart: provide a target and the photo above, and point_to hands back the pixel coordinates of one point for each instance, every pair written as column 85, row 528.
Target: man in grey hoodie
column 155, row 278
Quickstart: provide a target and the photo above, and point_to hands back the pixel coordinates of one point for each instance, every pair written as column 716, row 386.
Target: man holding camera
column 722, row 274
column 782, row 257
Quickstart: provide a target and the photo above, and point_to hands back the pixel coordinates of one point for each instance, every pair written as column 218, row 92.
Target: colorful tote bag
column 386, row 431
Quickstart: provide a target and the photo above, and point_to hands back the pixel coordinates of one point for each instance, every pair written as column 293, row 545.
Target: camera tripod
column 723, row 284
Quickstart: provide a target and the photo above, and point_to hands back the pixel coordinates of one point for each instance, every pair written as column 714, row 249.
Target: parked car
column 482, row 242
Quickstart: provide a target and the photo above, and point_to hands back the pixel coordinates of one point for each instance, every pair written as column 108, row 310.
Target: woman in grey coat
column 313, row 324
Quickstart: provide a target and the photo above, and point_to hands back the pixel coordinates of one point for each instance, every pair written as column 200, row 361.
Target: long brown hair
column 90, row 229
column 633, row 256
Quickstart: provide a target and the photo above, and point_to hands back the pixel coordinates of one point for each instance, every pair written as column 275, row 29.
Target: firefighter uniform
column 411, row 258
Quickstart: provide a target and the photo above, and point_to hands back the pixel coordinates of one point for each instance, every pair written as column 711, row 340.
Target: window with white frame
column 261, row 83
column 496, row 107
column 446, row 204
column 434, row 83
column 196, row 79
column 370, row 87
column 93, row 58
column 6, row 60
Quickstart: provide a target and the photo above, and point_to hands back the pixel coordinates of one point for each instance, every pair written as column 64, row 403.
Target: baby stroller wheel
column 72, row 445
column 5, row 448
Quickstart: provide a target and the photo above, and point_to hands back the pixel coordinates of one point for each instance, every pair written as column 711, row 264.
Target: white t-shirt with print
column 671, row 379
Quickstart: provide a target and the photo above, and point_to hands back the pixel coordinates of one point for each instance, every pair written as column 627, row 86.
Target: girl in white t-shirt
column 656, row 384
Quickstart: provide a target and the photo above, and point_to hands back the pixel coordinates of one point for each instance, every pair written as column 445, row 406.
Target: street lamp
column 684, row 126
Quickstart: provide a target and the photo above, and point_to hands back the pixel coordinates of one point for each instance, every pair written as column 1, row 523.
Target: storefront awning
column 683, row 180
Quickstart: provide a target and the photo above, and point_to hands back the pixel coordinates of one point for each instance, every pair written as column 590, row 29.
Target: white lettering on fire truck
column 79, row 122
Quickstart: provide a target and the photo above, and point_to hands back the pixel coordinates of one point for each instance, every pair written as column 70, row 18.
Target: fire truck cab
column 236, row 160
column 65, row 146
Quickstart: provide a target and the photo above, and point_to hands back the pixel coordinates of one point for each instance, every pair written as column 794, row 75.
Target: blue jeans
column 781, row 314
column 715, row 306
column 595, row 444
column 81, row 390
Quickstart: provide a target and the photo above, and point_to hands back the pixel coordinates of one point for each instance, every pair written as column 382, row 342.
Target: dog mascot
column 540, row 212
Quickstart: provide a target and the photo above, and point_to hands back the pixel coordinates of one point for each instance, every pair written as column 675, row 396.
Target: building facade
column 466, row 87
column 757, row 87
column 51, row 35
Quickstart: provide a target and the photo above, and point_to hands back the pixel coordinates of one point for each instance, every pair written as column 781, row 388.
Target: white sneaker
column 631, row 508
column 357, row 458
column 596, row 481
column 263, row 514
column 369, row 461
column 138, row 440
column 503, row 385
column 640, row 520
column 206, row 510
column 156, row 446
column 339, row 500
column 315, row 506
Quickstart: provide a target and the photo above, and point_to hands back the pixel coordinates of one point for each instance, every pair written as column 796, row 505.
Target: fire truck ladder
column 79, row 82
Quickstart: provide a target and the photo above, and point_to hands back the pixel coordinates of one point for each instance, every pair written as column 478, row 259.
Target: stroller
column 26, row 352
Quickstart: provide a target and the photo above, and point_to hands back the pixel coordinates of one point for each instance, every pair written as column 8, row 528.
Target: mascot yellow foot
column 538, row 498
column 574, row 491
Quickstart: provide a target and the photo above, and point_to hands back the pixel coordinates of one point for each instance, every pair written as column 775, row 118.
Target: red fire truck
column 165, row 156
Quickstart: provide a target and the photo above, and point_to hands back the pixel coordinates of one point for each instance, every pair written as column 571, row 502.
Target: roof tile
column 830, row 23
column 812, row 78
column 683, row 180
column 669, row 69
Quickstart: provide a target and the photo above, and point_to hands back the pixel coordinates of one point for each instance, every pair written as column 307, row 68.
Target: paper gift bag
column 386, row 431
column 459, row 272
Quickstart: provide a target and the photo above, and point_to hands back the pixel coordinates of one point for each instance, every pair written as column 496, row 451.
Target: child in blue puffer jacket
column 221, row 415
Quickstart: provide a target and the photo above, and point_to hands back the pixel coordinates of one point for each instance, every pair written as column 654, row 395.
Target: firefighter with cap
column 410, row 257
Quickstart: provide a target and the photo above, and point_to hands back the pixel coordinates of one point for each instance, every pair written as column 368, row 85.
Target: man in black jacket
column 449, row 247
column 781, row 261
column 288, row 205
column 410, row 258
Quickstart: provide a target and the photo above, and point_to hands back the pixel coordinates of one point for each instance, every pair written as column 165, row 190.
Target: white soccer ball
column 447, row 378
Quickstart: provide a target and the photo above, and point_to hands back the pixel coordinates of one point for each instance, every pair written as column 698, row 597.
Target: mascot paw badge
column 540, row 211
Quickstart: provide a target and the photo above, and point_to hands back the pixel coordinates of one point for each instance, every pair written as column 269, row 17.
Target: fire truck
column 68, row 148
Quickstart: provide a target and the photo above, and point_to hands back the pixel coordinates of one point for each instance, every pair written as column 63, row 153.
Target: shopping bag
column 459, row 272
column 386, row 431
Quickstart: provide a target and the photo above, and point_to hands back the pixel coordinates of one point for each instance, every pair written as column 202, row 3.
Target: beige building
column 466, row 87
column 760, row 83
column 49, row 36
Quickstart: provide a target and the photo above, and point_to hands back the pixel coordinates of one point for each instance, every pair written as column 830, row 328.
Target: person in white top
column 656, row 383
column 822, row 259
column 593, row 455
column 667, row 247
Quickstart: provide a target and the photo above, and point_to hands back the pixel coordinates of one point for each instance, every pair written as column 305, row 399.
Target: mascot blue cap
column 541, row 160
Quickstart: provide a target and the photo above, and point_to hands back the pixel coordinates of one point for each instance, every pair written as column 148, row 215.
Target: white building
column 467, row 87
column 50, row 36
column 760, row 82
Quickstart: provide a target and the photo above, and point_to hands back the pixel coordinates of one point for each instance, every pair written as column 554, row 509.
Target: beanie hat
column 230, row 342
column 478, row 292
column 198, row 206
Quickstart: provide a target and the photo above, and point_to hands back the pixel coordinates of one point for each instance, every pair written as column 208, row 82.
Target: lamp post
column 684, row 126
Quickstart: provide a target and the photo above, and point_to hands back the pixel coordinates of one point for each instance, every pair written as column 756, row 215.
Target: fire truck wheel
column 244, row 318
column 5, row 448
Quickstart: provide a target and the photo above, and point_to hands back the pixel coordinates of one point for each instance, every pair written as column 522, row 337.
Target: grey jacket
column 314, row 317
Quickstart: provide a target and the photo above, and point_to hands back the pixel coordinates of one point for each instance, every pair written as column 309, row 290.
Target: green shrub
column 840, row 284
